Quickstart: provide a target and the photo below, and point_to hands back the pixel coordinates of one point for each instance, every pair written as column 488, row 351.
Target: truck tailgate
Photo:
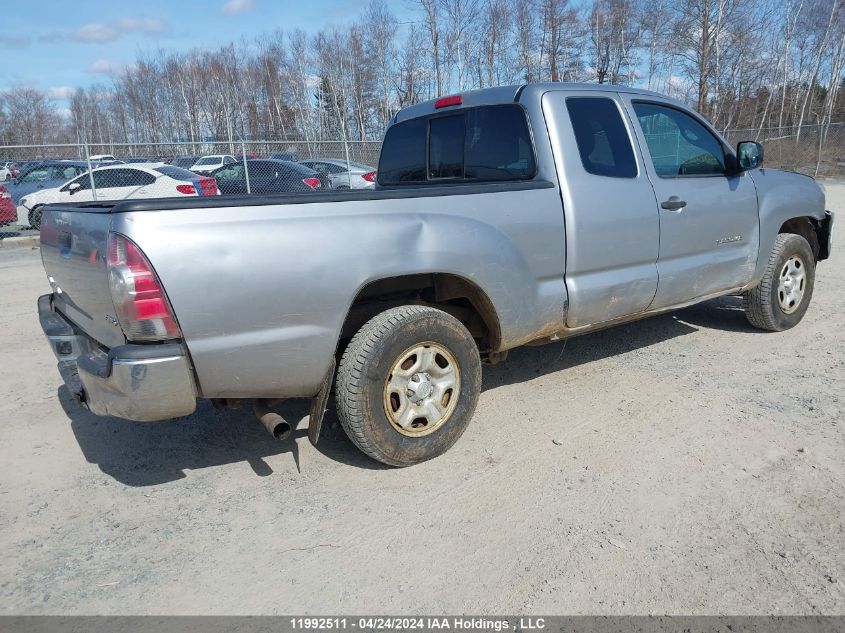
column 74, row 249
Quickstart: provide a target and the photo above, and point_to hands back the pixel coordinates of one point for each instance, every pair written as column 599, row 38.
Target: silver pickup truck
column 502, row 217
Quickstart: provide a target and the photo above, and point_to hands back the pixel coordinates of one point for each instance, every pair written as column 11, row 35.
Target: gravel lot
column 681, row 464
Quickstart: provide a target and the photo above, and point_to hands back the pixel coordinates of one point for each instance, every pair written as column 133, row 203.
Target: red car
column 8, row 212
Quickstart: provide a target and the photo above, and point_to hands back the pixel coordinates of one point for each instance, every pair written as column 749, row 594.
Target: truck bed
column 356, row 195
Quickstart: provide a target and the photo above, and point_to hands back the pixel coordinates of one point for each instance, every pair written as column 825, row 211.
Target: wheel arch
column 454, row 294
column 808, row 228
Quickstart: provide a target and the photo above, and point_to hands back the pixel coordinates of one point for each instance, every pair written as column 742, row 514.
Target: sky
column 44, row 45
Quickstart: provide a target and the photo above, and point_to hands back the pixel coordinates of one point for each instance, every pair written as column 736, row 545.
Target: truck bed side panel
column 255, row 329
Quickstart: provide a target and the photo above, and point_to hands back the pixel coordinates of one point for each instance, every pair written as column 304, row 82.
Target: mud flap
column 318, row 406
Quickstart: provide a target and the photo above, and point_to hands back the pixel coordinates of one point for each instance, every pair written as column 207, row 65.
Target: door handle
column 674, row 203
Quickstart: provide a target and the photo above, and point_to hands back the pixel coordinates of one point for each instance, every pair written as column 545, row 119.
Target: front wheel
column 782, row 297
column 35, row 218
column 407, row 384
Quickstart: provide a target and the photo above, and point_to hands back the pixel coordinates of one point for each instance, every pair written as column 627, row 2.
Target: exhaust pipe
column 275, row 424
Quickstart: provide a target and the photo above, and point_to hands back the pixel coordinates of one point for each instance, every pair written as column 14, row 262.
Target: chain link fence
column 34, row 175
column 814, row 150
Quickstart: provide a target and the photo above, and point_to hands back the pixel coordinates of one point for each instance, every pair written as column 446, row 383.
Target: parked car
column 267, row 176
column 42, row 175
column 208, row 164
column 8, row 212
column 185, row 162
column 505, row 216
column 343, row 175
column 120, row 182
column 104, row 158
column 6, row 171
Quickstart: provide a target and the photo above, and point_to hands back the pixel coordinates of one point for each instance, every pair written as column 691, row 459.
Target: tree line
column 749, row 64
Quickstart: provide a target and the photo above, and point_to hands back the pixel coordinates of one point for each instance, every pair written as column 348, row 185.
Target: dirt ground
column 682, row 464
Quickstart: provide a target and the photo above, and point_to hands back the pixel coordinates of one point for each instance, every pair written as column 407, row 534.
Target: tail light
column 139, row 300
column 208, row 186
column 4, row 193
column 370, row 176
column 314, row 183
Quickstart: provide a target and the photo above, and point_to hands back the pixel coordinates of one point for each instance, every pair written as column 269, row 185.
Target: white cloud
column 141, row 25
column 233, row 7
column 96, row 33
column 104, row 67
column 101, row 33
column 60, row 92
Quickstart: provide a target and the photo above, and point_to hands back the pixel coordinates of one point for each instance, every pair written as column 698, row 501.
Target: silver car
column 343, row 175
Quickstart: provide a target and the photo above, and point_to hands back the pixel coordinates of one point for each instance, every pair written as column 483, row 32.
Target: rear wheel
column 408, row 384
column 781, row 299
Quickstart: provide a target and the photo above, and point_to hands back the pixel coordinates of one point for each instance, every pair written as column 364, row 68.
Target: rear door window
column 110, row 178
column 482, row 144
column 603, row 142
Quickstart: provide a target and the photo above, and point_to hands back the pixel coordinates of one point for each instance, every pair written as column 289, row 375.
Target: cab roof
column 521, row 94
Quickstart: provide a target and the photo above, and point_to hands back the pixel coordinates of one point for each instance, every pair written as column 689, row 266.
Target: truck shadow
column 526, row 363
column 149, row 454
column 725, row 314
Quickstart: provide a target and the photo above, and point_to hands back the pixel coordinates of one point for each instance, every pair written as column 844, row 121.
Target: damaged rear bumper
column 137, row 382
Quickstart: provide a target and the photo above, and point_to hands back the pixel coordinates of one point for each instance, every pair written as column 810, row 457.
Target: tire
column 425, row 346
column 776, row 306
column 35, row 218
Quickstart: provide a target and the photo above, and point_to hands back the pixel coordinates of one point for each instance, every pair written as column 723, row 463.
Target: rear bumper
column 136, row 382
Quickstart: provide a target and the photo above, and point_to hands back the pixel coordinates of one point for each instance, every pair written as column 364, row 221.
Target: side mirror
column 73, row 187
column 749, row 155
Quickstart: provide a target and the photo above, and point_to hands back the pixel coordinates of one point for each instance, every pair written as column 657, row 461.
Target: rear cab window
column 478, row 144
column 603, row 142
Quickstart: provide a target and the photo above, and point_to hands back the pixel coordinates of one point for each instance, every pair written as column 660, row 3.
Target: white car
column 343, row 175
column 104, row 158
column 119, row 182
column 208, row 164
column 5, row 172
